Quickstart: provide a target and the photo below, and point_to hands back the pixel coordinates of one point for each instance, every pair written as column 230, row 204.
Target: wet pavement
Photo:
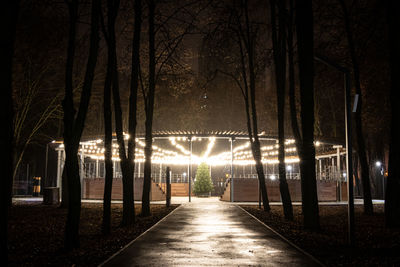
column 210, row 233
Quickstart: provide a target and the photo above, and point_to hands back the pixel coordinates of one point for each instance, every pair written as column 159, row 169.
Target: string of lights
column 242, row 154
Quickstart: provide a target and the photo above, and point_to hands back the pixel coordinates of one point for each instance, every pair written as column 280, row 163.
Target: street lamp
column 289, row 168
column 380, row 167
column 349, row 149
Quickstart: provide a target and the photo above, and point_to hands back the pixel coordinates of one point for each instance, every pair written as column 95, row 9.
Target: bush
column 203, row 184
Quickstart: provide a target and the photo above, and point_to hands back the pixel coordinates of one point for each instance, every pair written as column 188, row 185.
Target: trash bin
column 51, row 195
column 36, row 186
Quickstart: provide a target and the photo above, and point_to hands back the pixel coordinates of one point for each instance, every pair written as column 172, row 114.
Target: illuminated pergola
column 176, row 148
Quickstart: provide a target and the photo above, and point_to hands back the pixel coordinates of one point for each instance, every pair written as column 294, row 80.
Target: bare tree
column 306, row 149
column 134, row 94
column 32, row 111
column 161, row 52
column 112, row 9
column 149, row 108
column 127, row 159
column 252, row 126
column 279, row 50
column 241, row 34
column 368, row 207
column 74, row 124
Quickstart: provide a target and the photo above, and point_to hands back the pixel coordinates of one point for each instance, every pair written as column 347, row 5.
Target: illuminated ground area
column 210, row 234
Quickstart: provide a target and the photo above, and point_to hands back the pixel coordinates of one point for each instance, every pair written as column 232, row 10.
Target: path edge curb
column 131, row 242
column 283, row 238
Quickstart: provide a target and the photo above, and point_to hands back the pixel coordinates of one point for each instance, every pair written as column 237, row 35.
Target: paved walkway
column 209, row 234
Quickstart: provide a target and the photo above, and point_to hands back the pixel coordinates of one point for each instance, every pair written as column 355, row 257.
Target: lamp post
column 349, row 146
column 232, row 188
column 380, row 167
column 289, row 168
column 190, row 169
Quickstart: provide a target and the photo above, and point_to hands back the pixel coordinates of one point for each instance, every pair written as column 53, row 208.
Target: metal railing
column 329, row 173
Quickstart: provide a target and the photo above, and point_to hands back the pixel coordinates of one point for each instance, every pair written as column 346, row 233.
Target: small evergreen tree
column 203, row 184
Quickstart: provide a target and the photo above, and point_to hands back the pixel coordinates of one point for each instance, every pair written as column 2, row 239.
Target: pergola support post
column 160, row 180
column 168, row 185
column 190, row 169
column 339, row 183
column 97, row 168
column 232, row 195
column 58, row 168
column 82, row 168
column 320, row 168
column 60, row 159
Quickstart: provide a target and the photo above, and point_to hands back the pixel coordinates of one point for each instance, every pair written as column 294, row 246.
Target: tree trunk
column 279, row 51
column 305, row 47
column 73, row 127
column 128, row 213
column 128, row 216
column 260, row 173
column 147, row 178
column 133, row 93
column 74, row 196
column 251, row 106
column 106, row 225
column 255, row 149
column 368, row 207
column 9, row 15
column 392, row 198
column 149, row 107
column 108, row 180
column 72, row 225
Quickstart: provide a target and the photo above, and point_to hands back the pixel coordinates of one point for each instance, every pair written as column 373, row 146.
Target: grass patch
column 36, row 234
column 376, row 245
